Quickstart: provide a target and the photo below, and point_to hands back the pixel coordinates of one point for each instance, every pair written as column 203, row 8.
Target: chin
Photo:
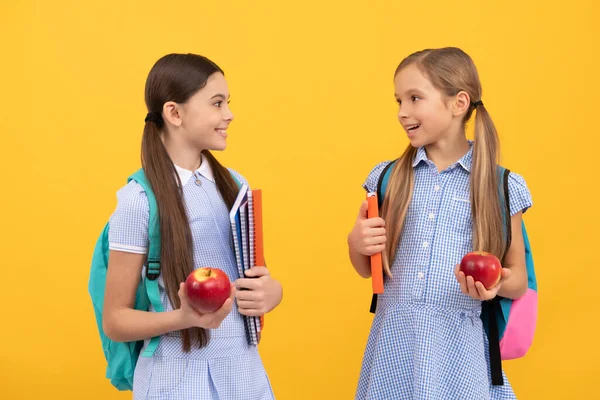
column 414, row 142
column 218, row 146
column 421, row 141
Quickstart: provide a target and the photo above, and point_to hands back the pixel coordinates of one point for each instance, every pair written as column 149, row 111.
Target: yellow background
column 311, row 86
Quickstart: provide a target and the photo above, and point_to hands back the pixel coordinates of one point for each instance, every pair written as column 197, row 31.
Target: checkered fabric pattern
column 228, row 368
column 427, row 340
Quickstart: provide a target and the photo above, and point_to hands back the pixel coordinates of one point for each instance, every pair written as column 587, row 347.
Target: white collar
column 204, row 170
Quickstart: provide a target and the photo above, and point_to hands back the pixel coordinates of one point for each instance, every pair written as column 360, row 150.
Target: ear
column 172, row 113
column 461, row 103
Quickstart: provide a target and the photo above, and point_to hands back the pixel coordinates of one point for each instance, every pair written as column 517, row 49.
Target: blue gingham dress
column 427, row 340
column 228, row 368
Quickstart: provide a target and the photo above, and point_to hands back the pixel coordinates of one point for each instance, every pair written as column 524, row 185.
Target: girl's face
column 206, row 115
column 425, row 113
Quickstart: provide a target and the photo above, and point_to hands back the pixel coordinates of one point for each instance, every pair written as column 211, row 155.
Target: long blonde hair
column 451, row 71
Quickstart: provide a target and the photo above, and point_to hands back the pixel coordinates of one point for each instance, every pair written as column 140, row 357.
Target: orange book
column 259, row 252
column 376, row 263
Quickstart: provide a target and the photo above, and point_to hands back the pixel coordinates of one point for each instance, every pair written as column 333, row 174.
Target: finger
column 460, row 277
column 249, row 305
column 232, row 294
column 377, row 232
column 181, row 293
column 506, row 273
column 375, row 240
column 213, row 320
column 248, row 283
column 482, row 291
column 362, row 212
column 256, row 271
column 248, row 295
column 375, row 249
column 222, row 312
column 374, row 223
column 472, row 290
column 250, row 312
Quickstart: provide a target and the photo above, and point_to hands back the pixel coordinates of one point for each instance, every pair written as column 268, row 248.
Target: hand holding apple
column 191, row 316
column 480, row 275
column 207, row 289
column 483, row 267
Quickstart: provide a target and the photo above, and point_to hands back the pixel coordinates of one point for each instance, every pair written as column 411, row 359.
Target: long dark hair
column 177, row 77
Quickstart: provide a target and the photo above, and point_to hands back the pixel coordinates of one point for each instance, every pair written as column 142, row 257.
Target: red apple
column 483, row 267
column 207, row 289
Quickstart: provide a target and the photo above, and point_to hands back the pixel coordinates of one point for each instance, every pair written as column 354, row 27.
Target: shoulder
column 519, row 194
column 132, row 198
column 370, row 184
column 239, row 177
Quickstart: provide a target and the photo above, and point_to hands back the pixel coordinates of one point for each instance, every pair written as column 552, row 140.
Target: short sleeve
column 128, row 225
column 519, row 194
column 370, row 184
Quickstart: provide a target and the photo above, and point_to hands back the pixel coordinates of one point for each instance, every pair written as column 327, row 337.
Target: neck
column 183, row 156
column 447, row 151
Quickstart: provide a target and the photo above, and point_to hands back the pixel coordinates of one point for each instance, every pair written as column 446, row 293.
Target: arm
column 360, row 262
column 122, row 323
column 515, row 285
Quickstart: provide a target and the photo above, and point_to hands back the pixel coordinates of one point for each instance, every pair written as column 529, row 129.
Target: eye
column 415, row 98
column 219, row 103
column 399, row 101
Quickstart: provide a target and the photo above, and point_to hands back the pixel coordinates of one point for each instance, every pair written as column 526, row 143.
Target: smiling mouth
column 412, row 128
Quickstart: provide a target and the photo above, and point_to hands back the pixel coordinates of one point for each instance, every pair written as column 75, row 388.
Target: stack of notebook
column 246, row 228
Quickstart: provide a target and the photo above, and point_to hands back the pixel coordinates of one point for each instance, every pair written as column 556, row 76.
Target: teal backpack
column 122, row 357
column 511, row 331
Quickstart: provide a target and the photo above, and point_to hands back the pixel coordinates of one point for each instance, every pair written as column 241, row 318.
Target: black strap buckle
column 153, row 269
column 373, row 304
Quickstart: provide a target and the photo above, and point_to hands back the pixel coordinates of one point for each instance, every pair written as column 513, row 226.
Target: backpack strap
column 383, row 180
column 237, row 181
column 153, row 261
column 382, row 183
column 154, row 249
column 493, row 307
column 507, row 218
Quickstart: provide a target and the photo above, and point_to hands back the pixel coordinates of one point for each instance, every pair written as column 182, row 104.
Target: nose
column 403, row 112
column 227, row 114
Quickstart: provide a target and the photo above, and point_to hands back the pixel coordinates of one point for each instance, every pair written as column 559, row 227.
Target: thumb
column 363, row 211
column 256, row 272
column 182, row 295
column 506, row 273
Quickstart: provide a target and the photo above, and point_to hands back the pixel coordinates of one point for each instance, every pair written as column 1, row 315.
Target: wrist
column 349, row 240
column 277, row 296
column 180, row 320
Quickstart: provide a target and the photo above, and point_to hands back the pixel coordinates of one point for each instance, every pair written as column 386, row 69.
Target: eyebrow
column 410, row 91
column 219, row 95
